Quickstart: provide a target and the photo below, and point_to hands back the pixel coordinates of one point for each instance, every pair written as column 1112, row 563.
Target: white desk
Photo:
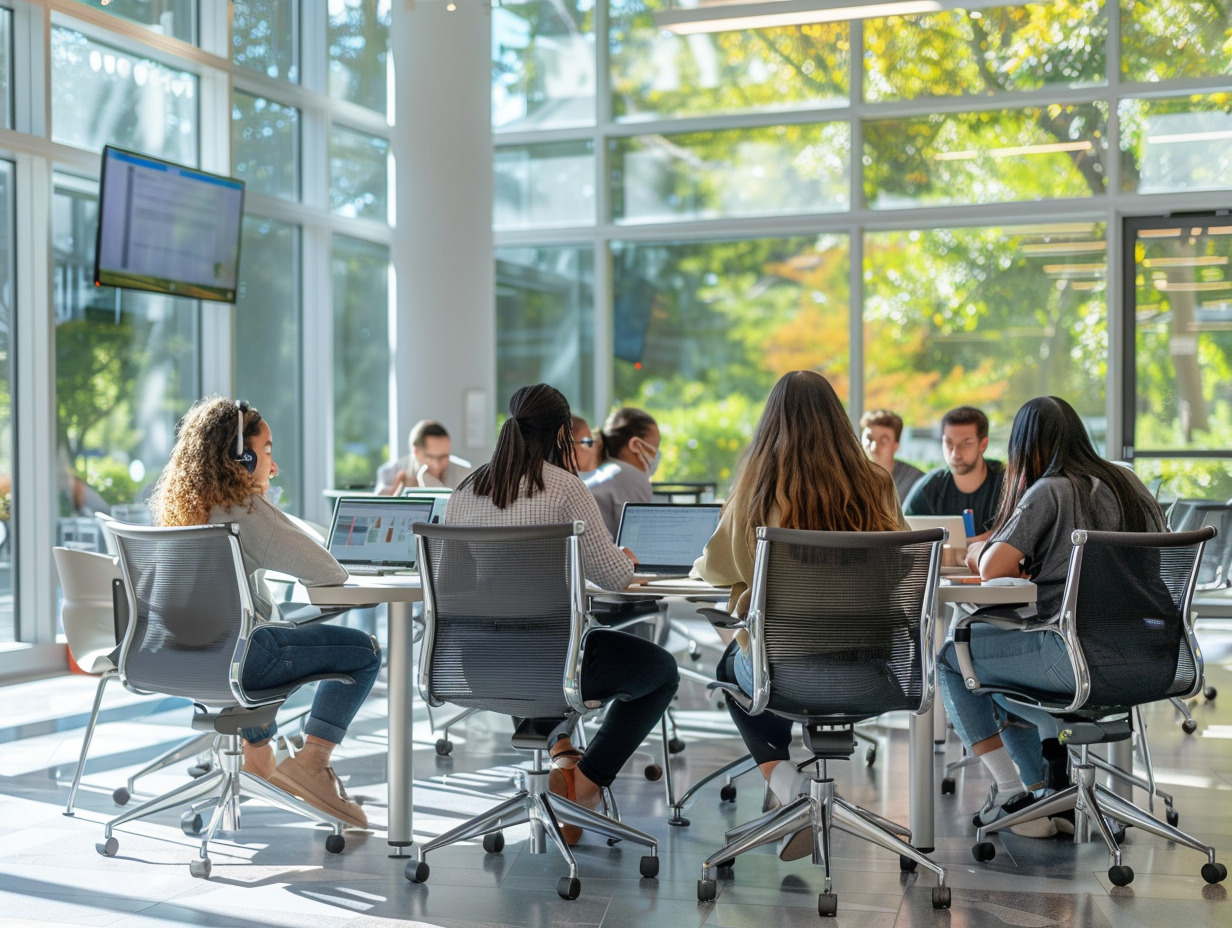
column 399, row 592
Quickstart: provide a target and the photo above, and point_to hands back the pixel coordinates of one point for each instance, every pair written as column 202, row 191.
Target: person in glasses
column 586, row 448
column 429, row 463
column 629, row 458
column 967, row 480
column 881, row 433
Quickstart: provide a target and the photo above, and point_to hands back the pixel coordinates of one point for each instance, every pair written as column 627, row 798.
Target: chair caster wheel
column 677, row 820
column 612, row 842
column 444, row 747
column 1120, row 875
column 948, row 786
column 121, row 796
column 335, row 844
column 197, row 771
column 984, row 851
column 827, row 905
column 727, row 793
column 707, row 890
column 1214, row 873
column 906, row 864
column 649, row 866
column 417, row 871
column 1118, row 834
column 695, row 654
column 1172, row 817
column 1210, row 692
column 109, row 848
column 569, row 887
column 870, row 757
column 191, row 823
column 494, row 843
column 653, row 772
column 941, row 897
column 1189, row 726
column 200, row 868
column 675, row 746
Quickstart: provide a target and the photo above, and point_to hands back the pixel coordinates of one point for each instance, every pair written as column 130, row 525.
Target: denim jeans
column 767, row 736
column 1007, row 657
column 279, row 655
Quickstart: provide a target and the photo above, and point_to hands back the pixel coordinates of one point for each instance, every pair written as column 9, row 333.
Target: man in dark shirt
column 967, row 481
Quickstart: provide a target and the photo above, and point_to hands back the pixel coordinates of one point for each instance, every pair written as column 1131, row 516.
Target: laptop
column 957, row 539
column 667, row 538
column 371, row 535
column 437, row 496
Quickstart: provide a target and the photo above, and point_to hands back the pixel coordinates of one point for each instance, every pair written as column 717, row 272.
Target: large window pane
column 1179, row 143
column 265, row 136
column 702, row 331
column 545, row 323
column 541, row 186
column 994, row 156
column 775, row 170
column 950, row 53
column 269, row 344
column 265, row 37
column 358, row 174
column 986, row 317
column 103, row 96
column 126, row 371
column 361, row 360
column 1165, row 39
column 359, row 52
column 656, row 73
column 176, row 18
column 8, row 543
column 543, row 64
column 6, row 69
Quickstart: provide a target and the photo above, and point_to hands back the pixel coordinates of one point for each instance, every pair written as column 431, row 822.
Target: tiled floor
column 276, row 871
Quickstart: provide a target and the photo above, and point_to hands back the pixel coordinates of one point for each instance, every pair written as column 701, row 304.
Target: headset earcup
column 248, row 461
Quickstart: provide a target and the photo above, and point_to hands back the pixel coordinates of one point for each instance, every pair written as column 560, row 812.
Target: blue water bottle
column 969, row 522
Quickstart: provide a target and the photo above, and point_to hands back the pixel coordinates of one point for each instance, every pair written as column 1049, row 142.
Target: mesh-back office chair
column 191, row 617
column 504, row 623
column 839, row 626
column 1126, row 624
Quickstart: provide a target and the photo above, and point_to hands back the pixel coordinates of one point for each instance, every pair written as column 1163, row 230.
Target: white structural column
column 444, row 332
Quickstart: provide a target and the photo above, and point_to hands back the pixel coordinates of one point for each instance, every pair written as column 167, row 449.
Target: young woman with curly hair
column 220, row 471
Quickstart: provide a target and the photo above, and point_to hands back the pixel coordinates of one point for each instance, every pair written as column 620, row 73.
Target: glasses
column 584, row 442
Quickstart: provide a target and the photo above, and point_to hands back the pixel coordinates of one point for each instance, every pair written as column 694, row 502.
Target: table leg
column 401, row 742
column 920, row 783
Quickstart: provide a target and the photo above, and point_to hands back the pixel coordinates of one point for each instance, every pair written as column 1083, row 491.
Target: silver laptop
column 371, row 535
column 956, row 541
column 437, row 496
column 667, row 538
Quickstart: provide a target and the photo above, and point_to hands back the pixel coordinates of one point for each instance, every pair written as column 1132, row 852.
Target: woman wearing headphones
column 630, row 442
column 220, row 471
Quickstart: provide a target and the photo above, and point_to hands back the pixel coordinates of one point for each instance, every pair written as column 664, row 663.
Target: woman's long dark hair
column 539, row 429
column 1049, row 440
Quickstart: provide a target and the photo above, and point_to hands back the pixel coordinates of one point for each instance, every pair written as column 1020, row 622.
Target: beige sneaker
column 321, row 789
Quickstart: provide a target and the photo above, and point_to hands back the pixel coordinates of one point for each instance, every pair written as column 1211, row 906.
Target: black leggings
column 640, row 678
column 767, row 736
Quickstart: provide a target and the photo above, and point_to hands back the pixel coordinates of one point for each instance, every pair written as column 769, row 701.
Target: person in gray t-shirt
column 1055, row 483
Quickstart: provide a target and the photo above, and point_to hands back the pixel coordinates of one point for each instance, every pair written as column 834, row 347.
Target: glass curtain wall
column 967, row 163
column 8, row 543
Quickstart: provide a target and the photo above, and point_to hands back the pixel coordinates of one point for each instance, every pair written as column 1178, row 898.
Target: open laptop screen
column 376, row 530
column 667, row 538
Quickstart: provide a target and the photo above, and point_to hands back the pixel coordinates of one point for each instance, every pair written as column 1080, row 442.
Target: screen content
column 672, row 536
column 168, row 228
column 377, row 532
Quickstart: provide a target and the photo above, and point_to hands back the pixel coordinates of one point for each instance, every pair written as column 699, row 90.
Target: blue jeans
column 1006, row 657
column 279, row 655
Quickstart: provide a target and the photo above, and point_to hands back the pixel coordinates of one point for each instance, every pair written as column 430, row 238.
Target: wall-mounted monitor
column 167, row 228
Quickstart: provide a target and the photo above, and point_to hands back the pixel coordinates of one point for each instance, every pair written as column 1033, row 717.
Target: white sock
column 785, row 782
column 1003, row 771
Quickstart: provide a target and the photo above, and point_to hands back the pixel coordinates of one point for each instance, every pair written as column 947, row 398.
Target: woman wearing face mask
column 630, row 439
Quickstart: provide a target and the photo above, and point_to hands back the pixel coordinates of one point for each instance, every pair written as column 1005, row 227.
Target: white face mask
column 650, row 460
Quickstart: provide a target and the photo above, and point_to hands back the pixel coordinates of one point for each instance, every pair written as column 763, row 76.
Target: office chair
column 1126, row 624
column 504, row 625
column 191, row 618
column 840, row 625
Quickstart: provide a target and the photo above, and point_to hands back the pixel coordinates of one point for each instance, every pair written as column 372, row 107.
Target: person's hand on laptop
column 974, row 549
column 629, row 554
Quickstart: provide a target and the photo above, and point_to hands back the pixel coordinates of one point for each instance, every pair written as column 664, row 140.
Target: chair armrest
column 720, row 619
column 960, row 634
column 307, row 614
column 733, row 692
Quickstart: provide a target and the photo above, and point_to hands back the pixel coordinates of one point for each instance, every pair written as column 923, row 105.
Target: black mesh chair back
column 191, row 611
column 503, row 617
column 839, row 616
column 1192, row 514
column 1128, row 595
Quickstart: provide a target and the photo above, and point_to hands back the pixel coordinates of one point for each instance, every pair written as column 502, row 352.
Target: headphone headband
column 242, row 454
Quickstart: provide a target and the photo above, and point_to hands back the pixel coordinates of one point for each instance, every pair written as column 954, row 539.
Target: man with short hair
column 881, row 432
column 428, row 465
column 967, row 480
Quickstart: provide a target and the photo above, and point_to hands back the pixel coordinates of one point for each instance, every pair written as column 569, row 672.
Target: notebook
column 667, row 538
column 957, row 539
column 372, row 534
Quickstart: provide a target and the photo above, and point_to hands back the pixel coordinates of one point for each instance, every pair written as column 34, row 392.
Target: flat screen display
column 167, row 228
